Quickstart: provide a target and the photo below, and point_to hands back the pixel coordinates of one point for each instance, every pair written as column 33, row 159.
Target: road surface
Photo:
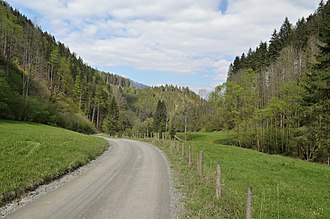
column 132, row 182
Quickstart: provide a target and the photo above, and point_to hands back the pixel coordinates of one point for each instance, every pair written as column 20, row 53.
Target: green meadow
column 282, row 187
column 33, row 154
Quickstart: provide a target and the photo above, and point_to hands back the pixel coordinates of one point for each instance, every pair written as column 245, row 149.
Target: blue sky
column 186, row 43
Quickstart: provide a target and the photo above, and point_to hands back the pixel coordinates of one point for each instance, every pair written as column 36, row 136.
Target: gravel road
column 133, row 181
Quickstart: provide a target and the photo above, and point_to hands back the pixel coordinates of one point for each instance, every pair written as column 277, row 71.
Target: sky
column 181, row 42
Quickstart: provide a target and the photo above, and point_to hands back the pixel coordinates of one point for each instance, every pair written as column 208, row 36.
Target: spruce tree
column 274, row 47
column 317, row 85
column 285, row 33
column 160, row 117
column 111, row 123
column 164, row 117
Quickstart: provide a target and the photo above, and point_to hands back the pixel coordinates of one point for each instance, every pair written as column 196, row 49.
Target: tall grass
column 32, row 154
column 282, row 187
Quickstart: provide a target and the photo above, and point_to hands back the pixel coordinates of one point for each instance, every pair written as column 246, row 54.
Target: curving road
column 132, row 182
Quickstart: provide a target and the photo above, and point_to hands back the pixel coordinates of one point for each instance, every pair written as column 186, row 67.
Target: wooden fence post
column 218, row 183
column 182, row 151
column 200, row 163
column 249, row 203
column 328, row 161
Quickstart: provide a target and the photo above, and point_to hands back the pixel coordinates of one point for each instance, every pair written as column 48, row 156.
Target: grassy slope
column 282, row 187
column 32, row 154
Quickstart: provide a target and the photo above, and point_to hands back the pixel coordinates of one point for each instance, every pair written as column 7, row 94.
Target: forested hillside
column 41, row 80
column 276, row 97
column 44, row 82
column 185, row 110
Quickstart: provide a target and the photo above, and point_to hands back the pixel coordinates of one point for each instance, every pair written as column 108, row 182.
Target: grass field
column 282, row 187
column 32, row 154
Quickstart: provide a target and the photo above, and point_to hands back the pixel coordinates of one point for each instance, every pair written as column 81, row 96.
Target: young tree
column 54, row 61
column 65, row 76
column 111, row 122
column 160, row 117
column 77, row 91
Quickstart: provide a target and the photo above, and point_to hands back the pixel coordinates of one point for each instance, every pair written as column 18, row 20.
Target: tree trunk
column 185, row 125
column 258, row 143
column 98, row 117
column 282, row 133
column 93, row 113
column 80, row 101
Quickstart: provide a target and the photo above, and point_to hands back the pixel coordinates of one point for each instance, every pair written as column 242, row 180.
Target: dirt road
column 132, row 182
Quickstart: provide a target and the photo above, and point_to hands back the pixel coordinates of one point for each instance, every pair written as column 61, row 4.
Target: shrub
column 76, row 122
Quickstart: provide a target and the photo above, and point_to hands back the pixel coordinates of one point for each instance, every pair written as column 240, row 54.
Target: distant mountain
column 138, row 85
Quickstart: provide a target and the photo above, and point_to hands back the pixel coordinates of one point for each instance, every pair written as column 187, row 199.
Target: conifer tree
column 160, row 117
column 111, row 122
column 317, row 99
column 285, row 33
column 274, row 46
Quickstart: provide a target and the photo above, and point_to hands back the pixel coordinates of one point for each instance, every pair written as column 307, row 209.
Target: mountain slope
column 45, row 82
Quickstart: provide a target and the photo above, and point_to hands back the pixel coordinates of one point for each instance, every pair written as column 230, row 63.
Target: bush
column 37, row 110
column 10, row 101
column 76, row 122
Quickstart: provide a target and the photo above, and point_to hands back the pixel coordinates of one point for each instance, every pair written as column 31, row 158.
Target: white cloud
column 184, row 37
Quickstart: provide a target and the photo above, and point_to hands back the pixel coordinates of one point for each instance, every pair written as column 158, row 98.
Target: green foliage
column 183, row 107
column 160, row 117
column 10, row 104
column 276, row 97
column 124, row 122
column 75, row 122
column 33, row 154
column 49, row 84
column 317, row 98
column 172, row 131
column 77, row 89
column 66, row 76
column 237, row 101
column 111, row 124
column 146, row 126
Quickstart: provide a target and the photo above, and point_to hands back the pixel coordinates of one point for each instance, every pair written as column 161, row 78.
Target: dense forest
column 276, row 97
column 41, row 80
column 185, row 110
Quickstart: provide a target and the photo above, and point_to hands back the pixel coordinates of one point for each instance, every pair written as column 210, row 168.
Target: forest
column 41, row 80
column 276, row 98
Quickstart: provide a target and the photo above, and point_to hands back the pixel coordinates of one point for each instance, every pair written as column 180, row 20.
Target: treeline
column 276, row 97
column 42, row 81
column 184, row 110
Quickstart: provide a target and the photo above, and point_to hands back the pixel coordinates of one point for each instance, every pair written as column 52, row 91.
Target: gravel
column 176, row 196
